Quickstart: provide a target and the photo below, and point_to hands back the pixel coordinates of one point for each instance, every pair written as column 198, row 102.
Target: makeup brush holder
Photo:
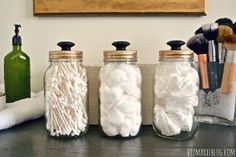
column 216, row 107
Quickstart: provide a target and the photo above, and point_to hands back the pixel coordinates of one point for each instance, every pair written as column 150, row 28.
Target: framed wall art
column 186, row 7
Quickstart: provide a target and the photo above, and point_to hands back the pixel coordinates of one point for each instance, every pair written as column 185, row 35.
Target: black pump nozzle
column 17, row 29
column 16, row 40
column 66, row 45
column 175, row 44
column 120, row 45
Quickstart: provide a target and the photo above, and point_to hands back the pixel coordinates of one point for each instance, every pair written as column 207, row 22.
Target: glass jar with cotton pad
column 120, row 92
column 176, row 93
column 65, row 87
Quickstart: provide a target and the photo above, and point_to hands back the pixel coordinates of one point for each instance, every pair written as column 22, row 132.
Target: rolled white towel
column 2, row 97
column 21, row 111
column 2, row 101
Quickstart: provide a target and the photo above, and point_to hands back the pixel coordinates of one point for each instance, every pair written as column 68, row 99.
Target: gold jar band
column 120, row 56
column 176, row 54
column 66, row 55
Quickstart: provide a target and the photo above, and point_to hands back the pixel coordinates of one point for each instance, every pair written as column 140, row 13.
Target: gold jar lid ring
column 66, row 52
column 66, row 55
column 120, row 54
column 176, row 52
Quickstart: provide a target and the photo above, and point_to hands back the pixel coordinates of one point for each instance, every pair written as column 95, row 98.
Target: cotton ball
column 137, row 110
column 110, row 96
column 113, row 117
column 126, row 106
column 131, row 89
column 116, row 77
column 105, row 71
column 118, row 94
column 134, row 129
column 133, row 72
column 106, row 97
column 125, row 128
column 110, row 131
column 136, row 120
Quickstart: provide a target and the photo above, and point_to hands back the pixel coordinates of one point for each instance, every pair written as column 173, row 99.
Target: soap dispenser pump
column 17, row 71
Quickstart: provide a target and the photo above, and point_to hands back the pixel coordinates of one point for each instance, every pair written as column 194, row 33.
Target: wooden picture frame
column 186, row 7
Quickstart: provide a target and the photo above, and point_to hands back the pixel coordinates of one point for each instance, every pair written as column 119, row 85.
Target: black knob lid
column 66, row 45
column 175, row 44
column 120, row 45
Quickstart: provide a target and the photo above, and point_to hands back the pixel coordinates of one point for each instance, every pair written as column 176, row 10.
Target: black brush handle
column 213, row 75
column 220, row 73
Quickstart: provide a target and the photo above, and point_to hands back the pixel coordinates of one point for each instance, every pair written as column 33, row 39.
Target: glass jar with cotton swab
column 65, row 86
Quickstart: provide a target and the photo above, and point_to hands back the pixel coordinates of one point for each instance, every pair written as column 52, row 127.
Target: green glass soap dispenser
column 17, row 71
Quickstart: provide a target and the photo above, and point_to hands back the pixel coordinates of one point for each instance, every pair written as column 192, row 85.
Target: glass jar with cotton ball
column 176, row 93
column 65, row 90
column 120, row 92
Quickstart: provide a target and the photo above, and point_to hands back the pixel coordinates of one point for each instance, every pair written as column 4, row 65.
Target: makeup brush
column 225, row 22
column 229, row 76
column 210, row 32
column 199, row 45
column 223, row 32
column 199, row 30
column 235, row 28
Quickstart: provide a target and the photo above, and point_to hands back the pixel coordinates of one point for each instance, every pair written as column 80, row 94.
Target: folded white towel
column 21, row 111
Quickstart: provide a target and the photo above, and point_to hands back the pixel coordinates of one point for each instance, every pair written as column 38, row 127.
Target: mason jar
column 176, row 87
column 120, row 92
column 65, row 90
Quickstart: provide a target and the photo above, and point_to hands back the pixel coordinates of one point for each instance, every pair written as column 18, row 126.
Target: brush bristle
column 210, row 31
column 225, row 22
column 223, row 32
column 199, row 30
column 230, row 42
column 198, row 44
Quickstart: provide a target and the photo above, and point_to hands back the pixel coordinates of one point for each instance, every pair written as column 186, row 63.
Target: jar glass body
column 120, row 99
column 65, row 91
column 176, row 90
